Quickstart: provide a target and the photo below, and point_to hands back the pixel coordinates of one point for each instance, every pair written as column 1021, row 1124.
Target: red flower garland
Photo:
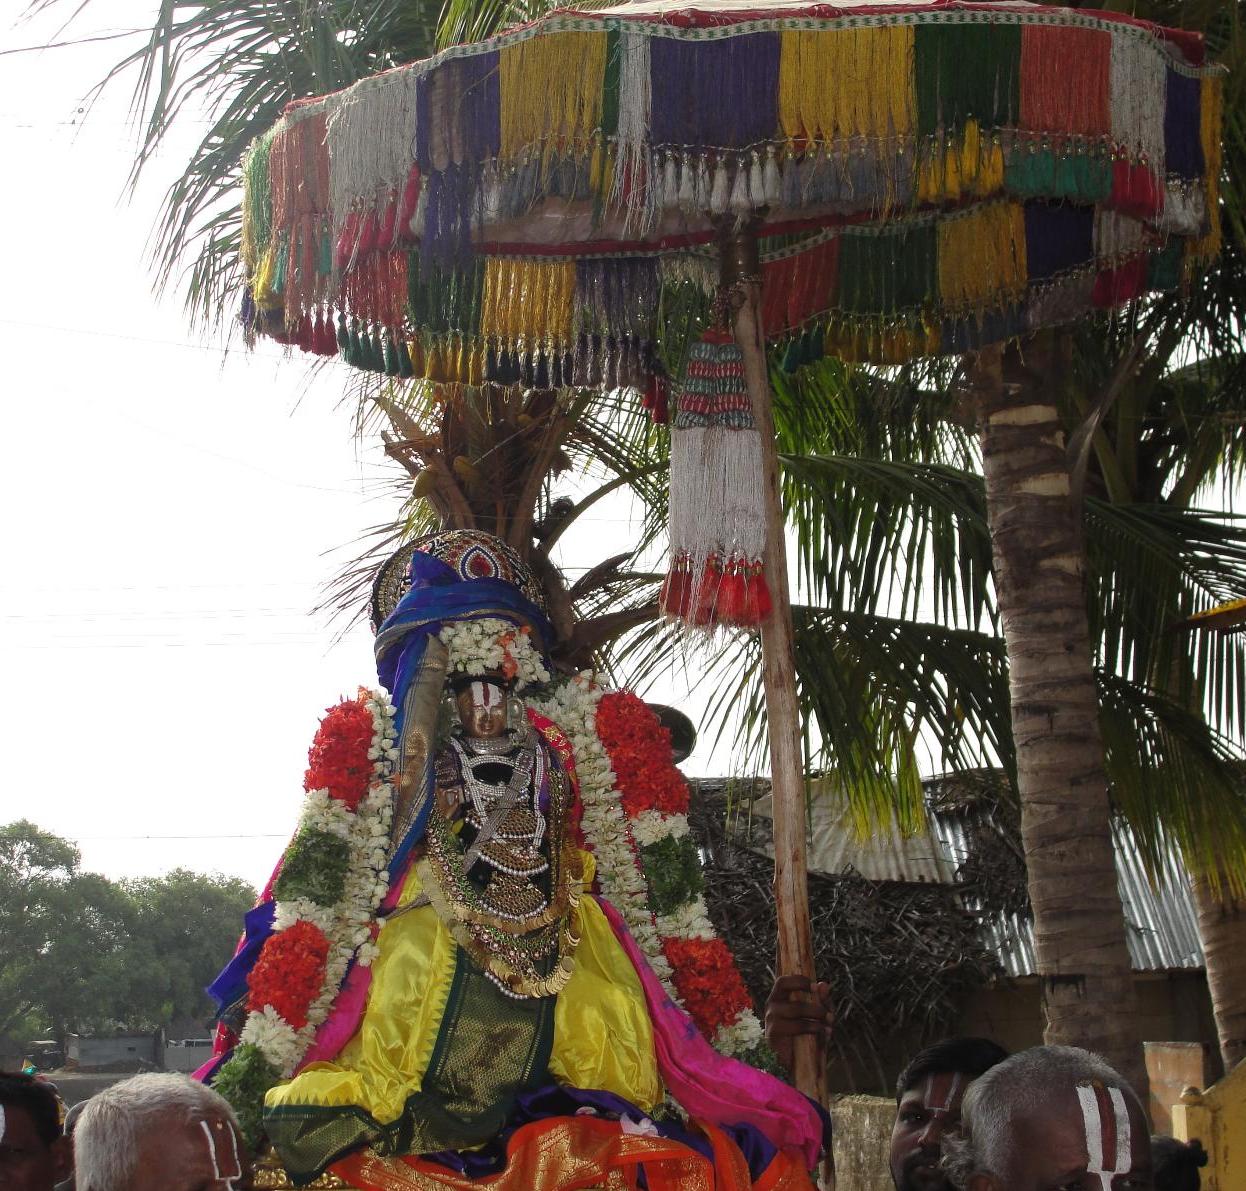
column 289, row 972
column 338, row 758
column 640, row 754
column 708, row 982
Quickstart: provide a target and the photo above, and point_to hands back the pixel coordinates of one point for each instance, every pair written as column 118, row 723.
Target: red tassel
column 656, row 400
column 1134, row 190
column 303, row 334
column 674, row 598
column 345, row 247
column 705, row 605
column 757, row 602
column 732, row 597
column 369, row 235
column 324, row 341
column 410, row 200
column 389, row 223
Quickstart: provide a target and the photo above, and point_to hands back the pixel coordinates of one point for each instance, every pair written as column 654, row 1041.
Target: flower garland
column 572, row 705
column 331, row 881
column 654, row 795
column 494, row 646
column 636, row 823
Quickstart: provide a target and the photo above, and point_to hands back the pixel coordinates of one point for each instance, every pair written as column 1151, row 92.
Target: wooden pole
column 741, row 287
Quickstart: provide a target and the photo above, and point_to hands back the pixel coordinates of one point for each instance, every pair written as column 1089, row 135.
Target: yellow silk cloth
column 603, row 1038
column 583, row 1152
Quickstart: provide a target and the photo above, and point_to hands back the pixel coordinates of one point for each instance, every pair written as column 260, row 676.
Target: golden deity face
column 482, row 709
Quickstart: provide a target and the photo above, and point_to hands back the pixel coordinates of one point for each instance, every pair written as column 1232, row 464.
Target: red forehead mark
column 1105, row 1118
column 941, row 1092
column 226, row 1163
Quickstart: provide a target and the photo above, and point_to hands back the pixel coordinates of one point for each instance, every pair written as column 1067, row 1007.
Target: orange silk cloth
column 574, row 1153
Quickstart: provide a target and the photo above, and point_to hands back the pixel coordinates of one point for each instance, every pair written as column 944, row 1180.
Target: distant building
column 115, row 1052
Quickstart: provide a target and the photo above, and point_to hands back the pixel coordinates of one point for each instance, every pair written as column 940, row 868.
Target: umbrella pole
column 741, row 287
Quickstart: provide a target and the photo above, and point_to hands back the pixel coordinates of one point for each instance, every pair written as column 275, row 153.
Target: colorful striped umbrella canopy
column 934, row 177
column 879, row 181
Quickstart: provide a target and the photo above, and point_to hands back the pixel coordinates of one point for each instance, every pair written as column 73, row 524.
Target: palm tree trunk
column 1222, row 927
column 1079, row 926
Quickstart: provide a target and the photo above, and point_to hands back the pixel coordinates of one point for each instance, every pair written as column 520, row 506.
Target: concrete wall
column 121, row 1052
column 862, row 1142
column 1172, row 1007
column 188, row 1055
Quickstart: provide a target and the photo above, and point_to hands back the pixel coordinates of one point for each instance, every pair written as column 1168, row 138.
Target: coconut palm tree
column 872, row 682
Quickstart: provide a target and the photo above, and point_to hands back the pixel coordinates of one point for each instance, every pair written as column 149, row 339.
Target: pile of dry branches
column 902, row 959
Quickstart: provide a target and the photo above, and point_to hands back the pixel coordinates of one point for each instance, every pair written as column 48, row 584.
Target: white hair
column 1011, row 1091
column 109, row 1131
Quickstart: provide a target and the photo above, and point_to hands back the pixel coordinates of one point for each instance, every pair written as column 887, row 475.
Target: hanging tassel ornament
column 717, row 496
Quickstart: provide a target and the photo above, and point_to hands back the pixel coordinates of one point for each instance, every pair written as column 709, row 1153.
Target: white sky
column 168, row 507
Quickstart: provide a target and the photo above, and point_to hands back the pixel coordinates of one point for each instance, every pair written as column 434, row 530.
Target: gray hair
column 108, row 1133
column 1011, row 1091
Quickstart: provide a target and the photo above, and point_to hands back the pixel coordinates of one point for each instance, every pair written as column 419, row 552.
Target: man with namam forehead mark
column 1054, row 1118
column 928, row 1099
column 160, row 1133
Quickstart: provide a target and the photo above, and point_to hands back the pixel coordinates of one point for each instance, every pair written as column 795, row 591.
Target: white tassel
column 670, row 184
column 1139, row 79
column 703, row 192
column 717, row 498
column 740, row 202
column 1185, row 209
column 718, row 192
column 369, row 141
column 687, row 186
column 633, row 130
column 772, row 184
column 756, row 184
column 491, row 194
column 416, row 226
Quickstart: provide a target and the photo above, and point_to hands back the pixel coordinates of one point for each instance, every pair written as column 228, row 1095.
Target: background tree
column 79, row 952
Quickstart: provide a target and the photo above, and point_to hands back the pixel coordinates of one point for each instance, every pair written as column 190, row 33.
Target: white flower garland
column 573, row 707
column 348, row 925
column 484, row 647
column 616, row 841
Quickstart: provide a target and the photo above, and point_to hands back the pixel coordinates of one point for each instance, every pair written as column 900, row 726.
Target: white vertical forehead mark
column 1096, row 1129
column 1, row 1122
column 232, row 1175
column 485, row 694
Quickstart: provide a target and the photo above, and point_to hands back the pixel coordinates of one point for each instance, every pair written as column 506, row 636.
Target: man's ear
column 62, row 1159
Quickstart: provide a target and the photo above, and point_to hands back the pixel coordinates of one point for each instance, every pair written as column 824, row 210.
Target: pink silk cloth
column 710, row 1086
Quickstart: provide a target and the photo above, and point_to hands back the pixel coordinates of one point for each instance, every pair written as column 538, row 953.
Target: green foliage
column 243, row 1081
column 186, row 926
column 673, row 870
column 79, row 952
column 315, row 867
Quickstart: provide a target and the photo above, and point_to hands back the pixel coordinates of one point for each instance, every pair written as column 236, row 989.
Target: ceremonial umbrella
column 875, row 180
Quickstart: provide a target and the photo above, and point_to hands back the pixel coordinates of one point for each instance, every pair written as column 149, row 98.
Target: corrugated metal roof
column 1161, row 922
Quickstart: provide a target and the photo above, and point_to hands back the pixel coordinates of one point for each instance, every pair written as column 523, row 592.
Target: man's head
column 159, row 1133
column 1055, row 1118
column 928, row 1099
column 33, row 1153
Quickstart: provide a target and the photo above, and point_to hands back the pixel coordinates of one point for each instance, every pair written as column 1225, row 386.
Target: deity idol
column 466, row 966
